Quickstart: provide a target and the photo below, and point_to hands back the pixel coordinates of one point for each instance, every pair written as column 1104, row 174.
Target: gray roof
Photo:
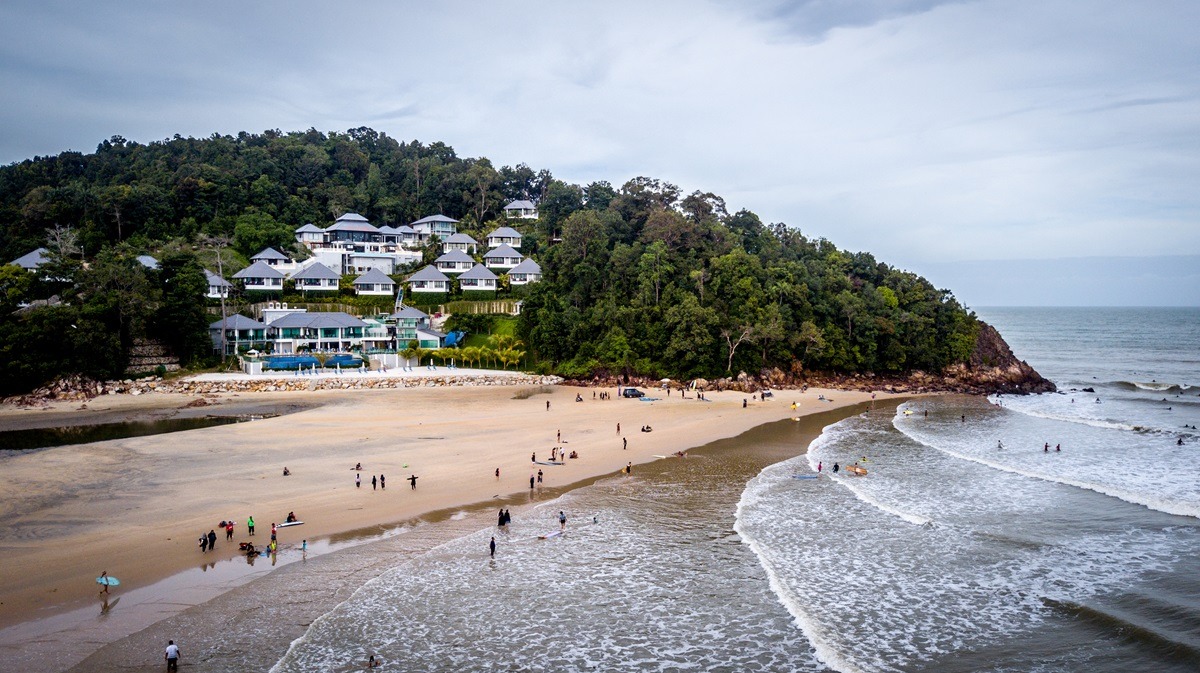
column 502, row 250
column 455, row 256
column 148, row 261
column 516, row 205
column 410, row 312
column 405, row 229
column 32, row 260
column 237, row 321
column 214, row 279
column 431, row 332
column 435, row 218
column 505, row 232
column 460, row 238
column 374, row 276
column 388, row 229
column 317, row 320
column 344, row 224
column 310, row 228
column 478, row 272
column 259, row 270
column 527, row 265
column 429, row 273
column 270, row 253
column 351, row 217
column 317, row 270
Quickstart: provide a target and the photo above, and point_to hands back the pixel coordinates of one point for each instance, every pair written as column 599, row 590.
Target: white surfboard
column 289, row 523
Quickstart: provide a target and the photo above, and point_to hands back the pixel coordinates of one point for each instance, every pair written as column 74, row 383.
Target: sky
column 966, row 141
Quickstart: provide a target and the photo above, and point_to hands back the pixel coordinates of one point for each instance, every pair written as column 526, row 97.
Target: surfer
column 562, row 520
column 104, row 582
column 1178, row 442
column 371, row 663
column 358, row 467
column 999, row 444
column 835, row 468
column 1058, row 448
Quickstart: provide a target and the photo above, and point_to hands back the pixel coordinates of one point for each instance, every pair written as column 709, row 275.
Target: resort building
column 435, row 225
column 218, row 287
column 316, row 278
column 374, row 283
column 413, row 325
column 274, row 259
column 240, row 333
column 455, row 261
column 528, row 271
column 461, row 242
column 32, row 260
column 478, row 278
column 258, row 277
column 299, row 330
column 310, row 235
column 524, row 210
column 428, row 280
column 504, row 236
column 351, row 229
column 503, row 257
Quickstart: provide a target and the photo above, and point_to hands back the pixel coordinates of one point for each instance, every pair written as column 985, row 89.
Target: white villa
column 504, row 236
column 274, row 259
column 352, row 245
column 374, row 283
column 298, row 329
column 412, row 324
column 258, row 277
column 455, row 261
column 461, row 242
column 478, row 278
column 310, row 235
column 503, row 257
column 435, row 225
column 524, row 210
column 239, row 331
column 316, row 278
column 218, row 287
column 429, row 279
column 525, row 273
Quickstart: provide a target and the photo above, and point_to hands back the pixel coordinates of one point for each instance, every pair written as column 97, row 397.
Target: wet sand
column 135, row 507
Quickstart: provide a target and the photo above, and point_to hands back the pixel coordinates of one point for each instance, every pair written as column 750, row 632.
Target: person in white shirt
column 172, row 656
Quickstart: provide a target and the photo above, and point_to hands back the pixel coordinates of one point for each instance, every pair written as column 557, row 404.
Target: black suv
column 632, row 392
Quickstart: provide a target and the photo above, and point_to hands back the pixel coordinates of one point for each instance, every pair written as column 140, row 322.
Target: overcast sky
column 933, row 134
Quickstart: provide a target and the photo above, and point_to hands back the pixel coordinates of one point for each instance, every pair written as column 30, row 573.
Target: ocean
column 967, row 546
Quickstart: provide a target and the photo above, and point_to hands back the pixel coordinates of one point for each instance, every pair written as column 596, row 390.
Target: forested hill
column 639, row 280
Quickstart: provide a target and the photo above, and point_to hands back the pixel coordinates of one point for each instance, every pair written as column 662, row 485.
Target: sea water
column 968, row 546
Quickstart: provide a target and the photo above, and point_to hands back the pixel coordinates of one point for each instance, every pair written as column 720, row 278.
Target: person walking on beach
column 497, row 474
column 618, row 428
column 203, row 544
column 412, row 479
column 372, row 482
column 558, row 434
column 562, row 520
column 531, row 478
column 250, row 525
column 625, row 443
column 539, row 477
column 171, row 655
column 212, row 539
column 492, row 547
column 358, row 481
column 229, row 530
column 382, row 483
column 547, row 405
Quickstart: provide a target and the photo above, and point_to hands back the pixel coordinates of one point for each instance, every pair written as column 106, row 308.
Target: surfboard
column 804, row 476
column 547, row 462
column 549, row 536
column 289, row 523
column 660, row 456
column 110, row 581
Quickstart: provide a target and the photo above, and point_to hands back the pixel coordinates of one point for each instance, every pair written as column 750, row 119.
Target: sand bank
column 135, row 507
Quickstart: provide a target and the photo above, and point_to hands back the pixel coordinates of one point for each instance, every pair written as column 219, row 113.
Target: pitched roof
column 270, row 253
column 317, row 320
column 435, row 218
column 356, row 223
column 388, row 229
column 478, row 272
column 237, row 321
column 460, row 238
column 455, row 256
column 505, row 232
column 215, row 280
column 259, row 270
column 429, row 273
column 351, row 217
column 318, row 271
column 519, row 205
column 374, row 276
column 32, row 260
column 502, row 250
column 409, row 312
column 405, row 229
column 431, row 332
column 310, row 228
column 527, row 265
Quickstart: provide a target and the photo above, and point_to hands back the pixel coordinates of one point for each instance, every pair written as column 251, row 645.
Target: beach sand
column 135, row 507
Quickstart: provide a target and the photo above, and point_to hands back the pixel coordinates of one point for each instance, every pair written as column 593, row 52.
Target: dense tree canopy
column 640, row 279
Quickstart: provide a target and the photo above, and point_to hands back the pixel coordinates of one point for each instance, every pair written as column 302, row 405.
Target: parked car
column 632, row 392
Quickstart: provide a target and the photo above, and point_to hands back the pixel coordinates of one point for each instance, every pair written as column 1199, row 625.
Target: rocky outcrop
column 992, row 368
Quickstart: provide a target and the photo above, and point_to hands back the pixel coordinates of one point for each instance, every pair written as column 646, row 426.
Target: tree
column 182, row 321
column 255, row 231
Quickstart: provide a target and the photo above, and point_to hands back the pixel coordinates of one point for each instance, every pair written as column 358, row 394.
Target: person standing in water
column 492, row 547
column 835, row 468
column 562, row 520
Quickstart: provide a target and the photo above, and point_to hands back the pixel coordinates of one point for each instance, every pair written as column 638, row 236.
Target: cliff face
column 994, row 369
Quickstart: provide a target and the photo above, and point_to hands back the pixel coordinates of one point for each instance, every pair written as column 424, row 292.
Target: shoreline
column 489, row 429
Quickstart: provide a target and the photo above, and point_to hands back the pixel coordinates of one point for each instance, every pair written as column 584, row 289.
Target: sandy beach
column 135, row 507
